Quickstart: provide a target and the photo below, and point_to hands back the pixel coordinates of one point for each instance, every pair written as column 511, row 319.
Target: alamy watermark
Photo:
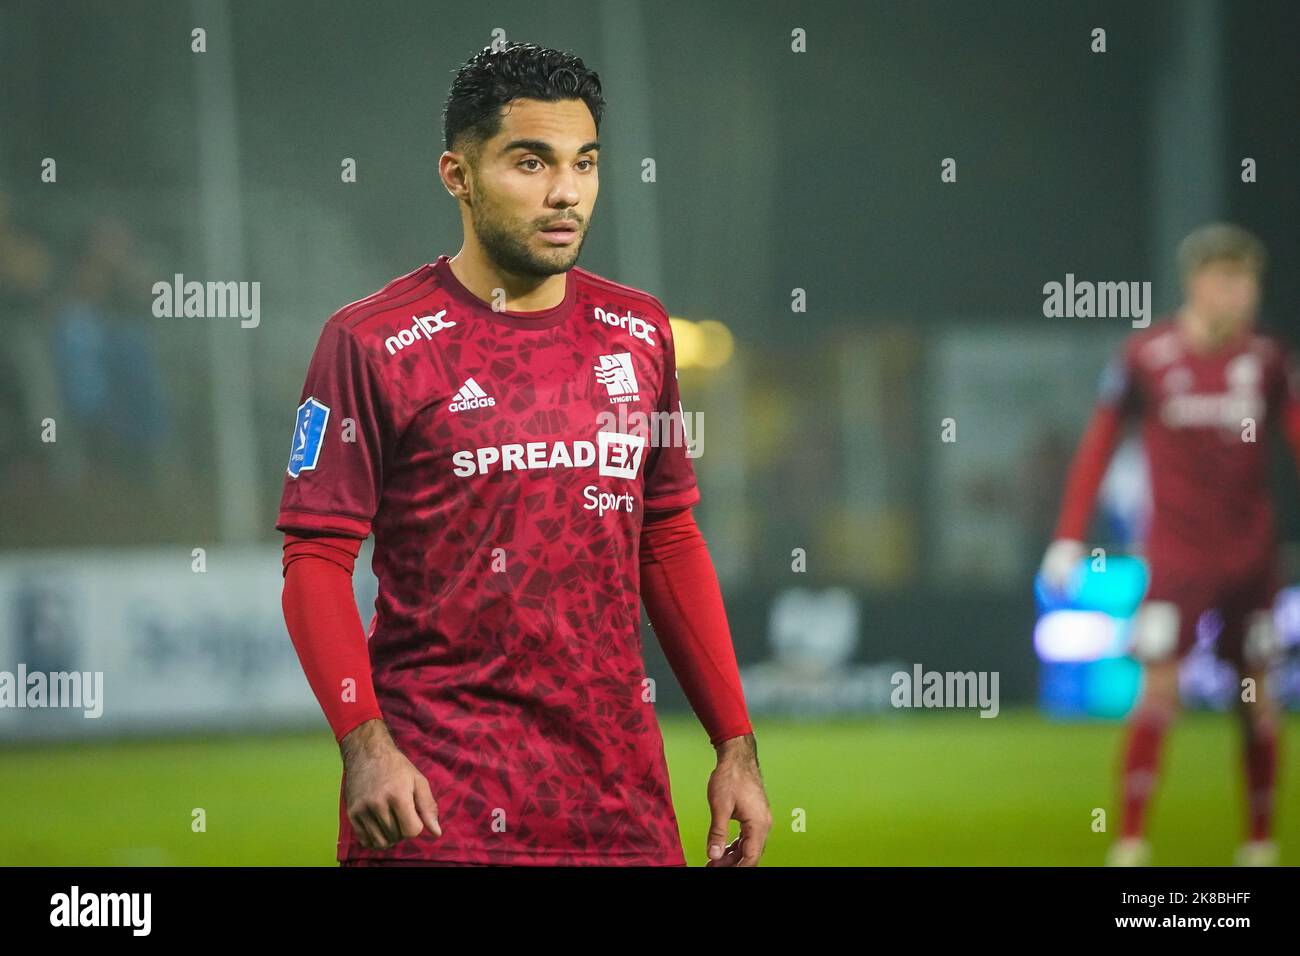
column 1103, row 300
column 208, row 300
column 132, row 911
column 72, row 690
column 679, row 429
column 956, row 689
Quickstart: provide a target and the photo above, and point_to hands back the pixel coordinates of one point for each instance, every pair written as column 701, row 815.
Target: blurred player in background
column 1203, row 385
column 485, row 417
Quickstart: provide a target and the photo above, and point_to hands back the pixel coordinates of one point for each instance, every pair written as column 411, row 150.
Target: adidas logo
column 470, row 395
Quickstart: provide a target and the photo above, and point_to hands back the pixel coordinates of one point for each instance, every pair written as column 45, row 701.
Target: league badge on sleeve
column 308, row 436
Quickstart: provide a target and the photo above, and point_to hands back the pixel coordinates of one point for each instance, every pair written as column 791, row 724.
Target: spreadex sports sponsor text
column 616, row 455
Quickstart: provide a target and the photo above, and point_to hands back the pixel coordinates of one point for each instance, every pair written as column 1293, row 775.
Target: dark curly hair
column 491, row 78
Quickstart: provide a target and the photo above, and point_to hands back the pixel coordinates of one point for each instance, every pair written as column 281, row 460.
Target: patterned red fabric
column 504, row 462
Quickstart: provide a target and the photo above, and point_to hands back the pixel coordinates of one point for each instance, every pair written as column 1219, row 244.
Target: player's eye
column 589, row 163
column 532, row 159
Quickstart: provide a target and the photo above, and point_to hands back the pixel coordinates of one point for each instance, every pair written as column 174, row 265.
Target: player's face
column 538, row 173
column 1226, row 292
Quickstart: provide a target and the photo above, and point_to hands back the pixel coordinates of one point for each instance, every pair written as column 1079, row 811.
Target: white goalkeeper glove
column 1059, row 563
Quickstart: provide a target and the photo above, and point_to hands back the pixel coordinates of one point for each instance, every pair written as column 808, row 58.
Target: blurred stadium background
column 821, row 428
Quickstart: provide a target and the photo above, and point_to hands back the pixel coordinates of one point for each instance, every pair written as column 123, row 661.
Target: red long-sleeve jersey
column 1204, row 419
column 507, row 464
column 678, row 585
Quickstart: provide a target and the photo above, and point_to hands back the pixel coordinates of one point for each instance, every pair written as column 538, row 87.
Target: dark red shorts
column 1235, row 613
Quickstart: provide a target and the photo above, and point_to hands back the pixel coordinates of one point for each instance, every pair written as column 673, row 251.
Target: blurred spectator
column 26, row 374
column 108, row 368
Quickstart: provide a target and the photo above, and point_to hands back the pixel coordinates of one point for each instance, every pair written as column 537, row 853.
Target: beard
column 508, row 242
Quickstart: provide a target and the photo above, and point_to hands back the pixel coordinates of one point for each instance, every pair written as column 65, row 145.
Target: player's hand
column 736, row 793
column 1062, row 557
column 387, row 800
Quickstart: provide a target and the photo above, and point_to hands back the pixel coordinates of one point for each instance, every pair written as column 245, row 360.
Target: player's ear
column 451, row 171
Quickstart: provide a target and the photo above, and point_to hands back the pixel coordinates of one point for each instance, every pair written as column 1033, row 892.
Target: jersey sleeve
column 1118, row 396
column 669, row 474
column 1282, row 385
column 1283, row 396
column 341, row 436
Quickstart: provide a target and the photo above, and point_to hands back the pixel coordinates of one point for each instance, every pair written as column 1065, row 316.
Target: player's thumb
column 717, row 839
column 426, row 806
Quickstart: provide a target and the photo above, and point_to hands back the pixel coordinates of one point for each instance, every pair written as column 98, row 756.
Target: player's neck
column 1201, row 335
column 523, row 293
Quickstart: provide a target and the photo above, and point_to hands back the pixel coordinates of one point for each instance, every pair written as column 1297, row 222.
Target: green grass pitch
column 908, row 790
